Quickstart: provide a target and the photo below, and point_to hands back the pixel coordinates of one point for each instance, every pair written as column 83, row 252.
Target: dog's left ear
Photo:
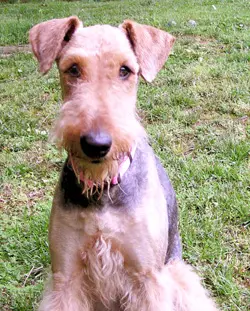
column 151, row 46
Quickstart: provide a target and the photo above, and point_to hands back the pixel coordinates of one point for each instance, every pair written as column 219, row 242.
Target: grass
column 197, row 113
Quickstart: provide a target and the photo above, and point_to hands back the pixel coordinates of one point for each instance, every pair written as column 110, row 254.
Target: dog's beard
column 96, row 175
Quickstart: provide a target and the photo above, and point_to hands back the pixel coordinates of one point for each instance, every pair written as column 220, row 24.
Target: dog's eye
column 74, row 71
column 124, row 72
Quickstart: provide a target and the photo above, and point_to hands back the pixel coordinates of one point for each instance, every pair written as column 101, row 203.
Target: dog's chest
column 138, row 235
column 118, row 244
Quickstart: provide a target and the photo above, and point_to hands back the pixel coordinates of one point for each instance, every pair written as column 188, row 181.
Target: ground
column 197, row 113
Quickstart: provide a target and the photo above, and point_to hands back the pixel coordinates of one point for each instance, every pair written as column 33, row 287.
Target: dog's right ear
column 48, row 38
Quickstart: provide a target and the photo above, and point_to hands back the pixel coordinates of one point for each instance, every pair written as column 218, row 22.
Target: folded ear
column 151, row 46
column 48, row 38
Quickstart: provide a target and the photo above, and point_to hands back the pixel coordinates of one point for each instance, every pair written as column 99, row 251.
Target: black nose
column 96, row 144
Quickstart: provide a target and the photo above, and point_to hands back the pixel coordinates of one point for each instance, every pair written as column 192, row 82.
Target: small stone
column 192, row 23
column 172, row 23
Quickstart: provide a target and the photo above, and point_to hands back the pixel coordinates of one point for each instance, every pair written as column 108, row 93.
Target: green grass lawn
column 197, row 113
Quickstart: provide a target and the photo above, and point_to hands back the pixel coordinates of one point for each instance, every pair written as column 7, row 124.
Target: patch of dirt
column 8, row 50
column 16, row 199
column 198, row 39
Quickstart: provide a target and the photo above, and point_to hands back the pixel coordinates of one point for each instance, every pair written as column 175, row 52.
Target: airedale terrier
column 113, row 235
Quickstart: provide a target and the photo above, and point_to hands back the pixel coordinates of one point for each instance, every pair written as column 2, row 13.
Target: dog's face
column 99, row 74
column 99, row 69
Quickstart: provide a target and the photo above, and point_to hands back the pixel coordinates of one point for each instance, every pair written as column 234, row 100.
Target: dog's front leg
column 68, row 289
column 175, row 287
column 63, row 294
column 147, row 291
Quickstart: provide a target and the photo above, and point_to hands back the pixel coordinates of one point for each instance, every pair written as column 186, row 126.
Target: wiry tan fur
column 109, row 258
column 97, row 251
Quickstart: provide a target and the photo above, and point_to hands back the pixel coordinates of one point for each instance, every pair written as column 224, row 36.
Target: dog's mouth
column 96, row 174
column 96, row 161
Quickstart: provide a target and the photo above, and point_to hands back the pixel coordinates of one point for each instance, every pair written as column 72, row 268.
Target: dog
column 113, row 234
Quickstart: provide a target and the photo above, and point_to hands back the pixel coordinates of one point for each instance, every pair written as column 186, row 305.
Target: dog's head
column 99, row 69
